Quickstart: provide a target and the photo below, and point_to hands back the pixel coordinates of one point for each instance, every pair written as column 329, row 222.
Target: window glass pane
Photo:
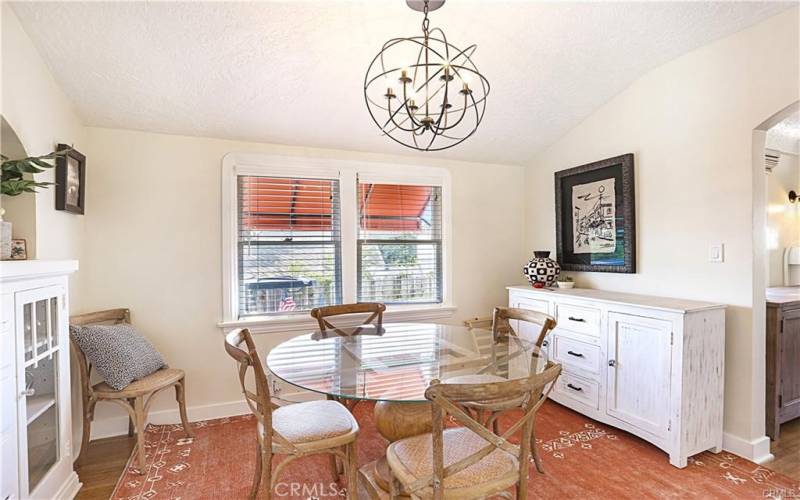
column 54, row 321
column 400, row 243
column 289, row 244
column 27, row 327
column 42, row 327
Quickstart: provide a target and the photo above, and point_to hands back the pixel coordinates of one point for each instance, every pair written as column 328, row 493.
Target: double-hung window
column 305, row 233
column 399, row 243
column 289, row 244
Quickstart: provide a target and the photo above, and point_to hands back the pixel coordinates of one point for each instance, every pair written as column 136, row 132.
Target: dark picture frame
column 594, row 233
column 70, row 181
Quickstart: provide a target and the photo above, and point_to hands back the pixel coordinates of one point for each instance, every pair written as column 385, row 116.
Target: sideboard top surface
column 631, row 299
column 783, row 295
column 14, row 270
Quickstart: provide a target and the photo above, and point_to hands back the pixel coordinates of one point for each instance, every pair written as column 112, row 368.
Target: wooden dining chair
column 502, row 316
column 501, row 327
column 296, row 430
column 374, row 309
column 470, row 461
column 135, row 398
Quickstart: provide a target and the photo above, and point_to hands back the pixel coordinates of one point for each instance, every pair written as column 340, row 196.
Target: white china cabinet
column 35, row 420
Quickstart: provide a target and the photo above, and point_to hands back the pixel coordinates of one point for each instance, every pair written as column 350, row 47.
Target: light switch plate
column 716, row 253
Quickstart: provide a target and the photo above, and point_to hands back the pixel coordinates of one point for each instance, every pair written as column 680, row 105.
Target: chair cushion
column 119, row 353
column 412, row 459
column 312, row 421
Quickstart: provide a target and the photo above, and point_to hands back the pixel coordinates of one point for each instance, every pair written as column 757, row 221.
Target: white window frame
column 349, row 173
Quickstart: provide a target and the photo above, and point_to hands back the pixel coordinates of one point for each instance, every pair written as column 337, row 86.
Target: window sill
column 304, row 323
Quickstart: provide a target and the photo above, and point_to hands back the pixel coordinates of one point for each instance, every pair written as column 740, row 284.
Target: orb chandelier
column 424, row 92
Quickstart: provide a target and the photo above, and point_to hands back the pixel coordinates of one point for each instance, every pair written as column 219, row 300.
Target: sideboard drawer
column 576, row 354
column 537, row 305
column 578, row 389
column 578, row 319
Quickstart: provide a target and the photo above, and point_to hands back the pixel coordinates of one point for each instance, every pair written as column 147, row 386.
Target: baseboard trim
column 118, row 426
column 756, row 450
column 70, row 488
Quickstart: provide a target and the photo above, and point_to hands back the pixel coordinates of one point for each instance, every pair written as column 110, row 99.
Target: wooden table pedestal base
column 394, row 421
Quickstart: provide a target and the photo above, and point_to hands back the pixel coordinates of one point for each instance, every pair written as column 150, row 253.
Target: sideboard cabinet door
column 529, row 331
column 639, row 354
column 790, row 368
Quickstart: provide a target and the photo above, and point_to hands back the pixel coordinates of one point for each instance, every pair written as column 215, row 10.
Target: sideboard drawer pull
column 575, row 388
column 576, row 354
column 579, row 320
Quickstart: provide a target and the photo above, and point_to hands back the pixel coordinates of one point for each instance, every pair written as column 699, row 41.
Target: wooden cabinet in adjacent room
column 783, row 357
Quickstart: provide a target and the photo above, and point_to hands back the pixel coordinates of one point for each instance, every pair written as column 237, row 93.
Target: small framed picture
column 19, row 250
column 70, row 181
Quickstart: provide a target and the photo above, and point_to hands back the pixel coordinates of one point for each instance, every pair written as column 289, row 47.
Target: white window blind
column 289, row 244
column 399, row 250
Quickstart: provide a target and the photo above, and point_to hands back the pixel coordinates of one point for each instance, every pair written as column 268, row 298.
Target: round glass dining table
column 394, row 365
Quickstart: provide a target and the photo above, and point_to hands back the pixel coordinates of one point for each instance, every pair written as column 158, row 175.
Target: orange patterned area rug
column 583, row 459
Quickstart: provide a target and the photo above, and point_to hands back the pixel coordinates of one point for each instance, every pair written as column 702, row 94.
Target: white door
column 42, row 380
column 640, row 357
column 529, row 331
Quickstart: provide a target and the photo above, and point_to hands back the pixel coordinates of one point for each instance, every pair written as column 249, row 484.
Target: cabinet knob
column 612, row 362
column 545, row 343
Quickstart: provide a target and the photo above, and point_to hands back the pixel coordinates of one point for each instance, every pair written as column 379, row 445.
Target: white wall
column 42, row 117
column 690, row 124
column 154, row 245
column 783, row 220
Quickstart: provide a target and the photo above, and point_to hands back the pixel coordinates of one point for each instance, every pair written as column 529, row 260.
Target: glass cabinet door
column 40, row 415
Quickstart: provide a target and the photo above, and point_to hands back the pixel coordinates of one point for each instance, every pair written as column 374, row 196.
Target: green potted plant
column 16, row 180
column 565, row 282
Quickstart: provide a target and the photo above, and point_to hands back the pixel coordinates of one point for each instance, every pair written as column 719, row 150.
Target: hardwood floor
column 787, row 450
column 103, row 465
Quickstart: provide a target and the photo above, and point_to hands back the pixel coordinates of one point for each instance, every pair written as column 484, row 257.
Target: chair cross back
column 240, row 346
column 447, row 399
column 502, row 328
column 322, row 313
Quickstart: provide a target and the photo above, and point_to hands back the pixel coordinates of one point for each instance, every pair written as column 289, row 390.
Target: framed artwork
column 70, row 181
column 596, row 216
column 19, row 250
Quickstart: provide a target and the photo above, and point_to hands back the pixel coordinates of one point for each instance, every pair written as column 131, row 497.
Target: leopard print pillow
column 119, row 353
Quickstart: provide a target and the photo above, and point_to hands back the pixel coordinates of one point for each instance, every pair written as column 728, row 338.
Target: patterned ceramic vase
column 541, row 270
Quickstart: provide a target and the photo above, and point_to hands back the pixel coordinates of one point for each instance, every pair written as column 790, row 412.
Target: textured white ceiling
column 292, row 72
column 785, row 135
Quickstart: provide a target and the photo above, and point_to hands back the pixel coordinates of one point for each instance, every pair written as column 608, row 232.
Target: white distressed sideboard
column 651, row 366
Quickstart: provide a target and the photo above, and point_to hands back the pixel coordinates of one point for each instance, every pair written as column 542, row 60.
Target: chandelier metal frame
column 418, row 125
